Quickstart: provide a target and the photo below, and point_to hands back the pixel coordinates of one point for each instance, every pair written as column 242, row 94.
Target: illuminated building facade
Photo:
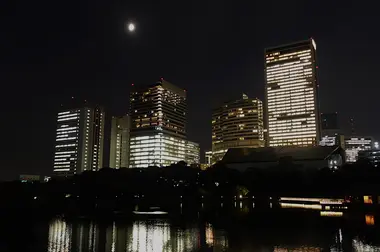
column 208, row 157
column 237, row 124
column 138, row 236
column 333, row 140
column 119, row 148
column 79, row 140
column 192, row 153
column 158, row 125
column 354, row 145
column 292, row 95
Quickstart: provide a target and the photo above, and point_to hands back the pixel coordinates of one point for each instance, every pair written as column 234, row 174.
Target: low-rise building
column 332, row 140
column 355, row 144
column 371, row 156
column 308, row 158
column 331, row 134
column 28, row 178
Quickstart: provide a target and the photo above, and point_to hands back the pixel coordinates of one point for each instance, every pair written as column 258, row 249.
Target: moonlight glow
column 131, row 27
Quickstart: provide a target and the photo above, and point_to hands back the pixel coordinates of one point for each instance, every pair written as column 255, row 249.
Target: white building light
column 291, row 91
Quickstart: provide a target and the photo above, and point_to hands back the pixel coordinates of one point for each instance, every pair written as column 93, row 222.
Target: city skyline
column 214, row 53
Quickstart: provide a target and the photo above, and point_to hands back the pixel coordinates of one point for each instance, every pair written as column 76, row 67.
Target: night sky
column 52, row 50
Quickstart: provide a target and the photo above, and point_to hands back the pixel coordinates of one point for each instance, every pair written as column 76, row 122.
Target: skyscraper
column 79, row 140
column 292, row 94
column 119, row 148
column 236, row 124
column 158, row 125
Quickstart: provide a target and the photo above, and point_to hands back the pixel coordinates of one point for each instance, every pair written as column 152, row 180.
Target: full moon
column 131, row 27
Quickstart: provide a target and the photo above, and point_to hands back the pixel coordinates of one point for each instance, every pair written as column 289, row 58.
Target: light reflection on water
column 149, row 235
column 161, row 235
column 59, row 236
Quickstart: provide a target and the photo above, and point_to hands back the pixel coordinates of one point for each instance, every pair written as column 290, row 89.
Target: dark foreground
column 246, row 228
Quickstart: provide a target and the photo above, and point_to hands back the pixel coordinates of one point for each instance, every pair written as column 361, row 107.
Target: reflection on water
column 308, row 249
column 331, row 214
column 59, row 236
column 297, row 205
column 298, row 232
column 148, row 235
column 370, row 219
column 358, row 245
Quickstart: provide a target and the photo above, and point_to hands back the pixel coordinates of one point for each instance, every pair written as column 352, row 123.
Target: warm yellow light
column 370, row 220
column 368, row 200
column 331, row 214
column 304, row 206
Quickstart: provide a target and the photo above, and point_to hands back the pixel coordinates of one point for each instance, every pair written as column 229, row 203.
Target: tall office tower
column 237, row 124
column 292, row 94
column 79, row 140
column 158, row 125
column 119, row 149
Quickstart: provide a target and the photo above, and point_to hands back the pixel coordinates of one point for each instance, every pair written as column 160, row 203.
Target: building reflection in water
column 209, row 235
column 359, row 245
column 149, row 235
column 59, row 236
column 161, row 235
column 369, row 219
column 215, row 239
column 331, row 214
column 303, row 249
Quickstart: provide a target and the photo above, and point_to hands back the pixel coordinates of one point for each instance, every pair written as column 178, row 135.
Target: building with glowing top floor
column 292, row 94
column 79, row 140
column 158, row 126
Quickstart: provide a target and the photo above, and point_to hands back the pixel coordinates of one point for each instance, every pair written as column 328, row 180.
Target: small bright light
column 131, row 27
column 376, row 145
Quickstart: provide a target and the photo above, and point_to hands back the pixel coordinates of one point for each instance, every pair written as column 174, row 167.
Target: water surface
column 285, row 230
